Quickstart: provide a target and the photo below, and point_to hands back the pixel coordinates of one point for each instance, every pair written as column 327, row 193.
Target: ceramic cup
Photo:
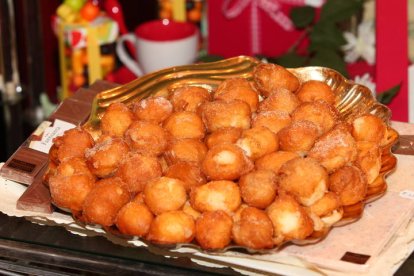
column 159, row 44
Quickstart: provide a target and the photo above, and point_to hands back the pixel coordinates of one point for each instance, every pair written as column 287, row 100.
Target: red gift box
column 248, row 27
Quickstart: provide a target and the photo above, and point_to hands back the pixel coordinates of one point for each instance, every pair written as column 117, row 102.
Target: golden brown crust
column 146, row 138
column 253, row 229
column 369, row 128
column 335, row 149
column 134, row 219
column 73, row 143
column 257, row 142
column 185, row 150
column 274, row 161
column 189, row 98
column 105, row 157
column 226, row 162
column 322, row 114
column 369, row 159
column 104, row 201
column 237, row 89
column 273, row 120
column 258, row 188
column 223, row 135
column 153, row 109
column 116, row 119
column 280, row 100
column 221, row 114
column 164, row 194
column 314, row 90
column 137, row 169
column 185, row 124
column 325, row 205
column 304, row 178
column 172, row 227
column 298, row 137
column 216, row 195
column 213, row 230
column 349, row 184
column 188, row 172
column 270, row 77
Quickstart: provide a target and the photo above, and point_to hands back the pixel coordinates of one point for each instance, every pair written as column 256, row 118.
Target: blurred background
column 44, row 46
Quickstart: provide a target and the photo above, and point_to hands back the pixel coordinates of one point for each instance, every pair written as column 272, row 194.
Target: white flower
column 361, row 46
column 366, row 80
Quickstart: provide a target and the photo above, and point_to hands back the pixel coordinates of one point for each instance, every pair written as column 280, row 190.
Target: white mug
column 159, row 44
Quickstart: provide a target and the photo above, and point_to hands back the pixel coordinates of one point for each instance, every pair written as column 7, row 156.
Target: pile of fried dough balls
column 252, row 163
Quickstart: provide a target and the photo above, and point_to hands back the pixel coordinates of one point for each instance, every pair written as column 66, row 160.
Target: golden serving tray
column 353, row 100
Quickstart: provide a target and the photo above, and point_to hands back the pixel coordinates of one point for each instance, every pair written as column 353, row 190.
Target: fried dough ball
column 299, row 136
column 258, row 141
column 220, row 114
column 137, row 169
column 73, row 143
column 223, row 135
column 369, row 159
column 189, row 98
column 104, row 158
column 258, row 188
column 172, row 227
column 116, row 119
column 153, row 109
column 147, row 138
column 326, row 204
column 323, row 115
column 313, row 90
column 216, row 195
column 226, row 162
column 237, row 89
column 189, row 173
column 71, row 183
column 134, row 219
column 335, row 149
column 274, row 161
column 280, row 100
column 185, row 124
column 349, row 184
column 304, row 178
column 273, row 120
column 290, row 220
column 189, row 210
column 213, row 229
column 270, row 77
column 53, row 153
column 253, row 229
column 185, row 150
column 105, row 200
column 369, row 128
column 164, row 194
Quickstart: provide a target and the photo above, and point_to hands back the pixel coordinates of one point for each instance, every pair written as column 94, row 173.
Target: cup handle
column 123, row 55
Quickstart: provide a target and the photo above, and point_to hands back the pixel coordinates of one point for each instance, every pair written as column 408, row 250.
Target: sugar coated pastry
column 258, row 188
column 223, row 135
column 274, row 120
column 72, row 143
column 274, row 160
column 172, row 227
column 185, row 150
column 213, row 229
column 349, row 183
column 188, row 172
column 270, row 77
column 237, row 89
column 134, row 219
column 314, row 90
column 154, row 109
column 304, row 178
column 116, row 119
column 280, row 100
column 185, row 124
column 104, row 201
column 146, row 138
column 257, row 142
column 226, row 162
column 369, row 159
column 369, row 128
column 299, row 137
column 189, row 98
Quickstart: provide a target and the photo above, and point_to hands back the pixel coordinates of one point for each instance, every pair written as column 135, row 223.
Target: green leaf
column 329, row 58
column 290, row 60
column 209, row 58
column 302, row 16
column 340, row 10
column 326, row 35
column 387, row 96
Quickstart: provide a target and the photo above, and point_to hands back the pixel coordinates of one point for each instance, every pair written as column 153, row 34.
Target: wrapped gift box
column 248, row 27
